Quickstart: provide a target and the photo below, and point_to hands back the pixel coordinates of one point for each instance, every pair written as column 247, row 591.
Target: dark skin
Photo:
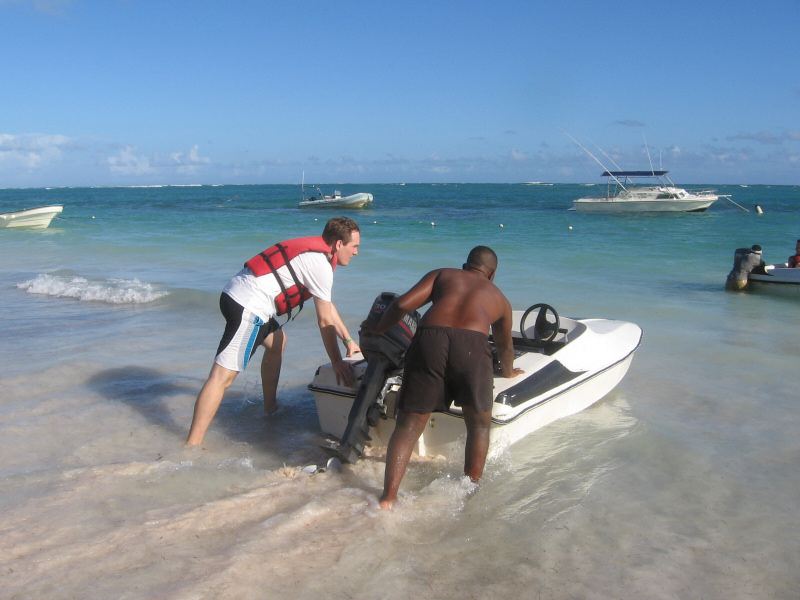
column 462, row 299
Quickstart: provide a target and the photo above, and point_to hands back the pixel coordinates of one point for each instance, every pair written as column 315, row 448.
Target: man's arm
column 501, row 333
column 327, row 329
column 343, row 333
column 414, row 298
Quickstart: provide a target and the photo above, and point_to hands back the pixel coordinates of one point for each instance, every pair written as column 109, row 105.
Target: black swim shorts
column 445, row 365
column 244, row 333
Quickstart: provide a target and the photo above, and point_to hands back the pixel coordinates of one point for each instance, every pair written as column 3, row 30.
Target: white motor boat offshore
column 30, row 217
column 623, row 195
column 779, row 278
column 320, row 200
column 569, row 365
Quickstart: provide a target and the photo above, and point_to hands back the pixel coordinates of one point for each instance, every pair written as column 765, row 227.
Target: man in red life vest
column 271, row 284
column 794, row 259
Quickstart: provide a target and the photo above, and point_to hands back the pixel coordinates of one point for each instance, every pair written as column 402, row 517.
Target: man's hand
column 352, row 348
column 368, row 326
column 514, row 373
column 344, row 373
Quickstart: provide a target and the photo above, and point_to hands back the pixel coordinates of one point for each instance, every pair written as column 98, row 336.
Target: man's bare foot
column 387, row 503
column 271, row 408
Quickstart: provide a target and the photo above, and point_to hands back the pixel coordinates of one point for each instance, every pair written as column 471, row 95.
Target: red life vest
column 274, row 257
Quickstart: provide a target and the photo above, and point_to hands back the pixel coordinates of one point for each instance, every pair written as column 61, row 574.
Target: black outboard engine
column 385, row 354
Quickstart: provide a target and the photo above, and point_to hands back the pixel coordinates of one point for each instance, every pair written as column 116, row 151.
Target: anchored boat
column 569, row 365
column 624, row 195
column 30, row 217
column 316, row 199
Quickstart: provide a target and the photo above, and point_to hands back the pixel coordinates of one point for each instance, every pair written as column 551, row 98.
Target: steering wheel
column 544, row 329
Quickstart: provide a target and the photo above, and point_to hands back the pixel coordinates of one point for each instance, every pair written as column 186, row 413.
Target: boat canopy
column 633, row 173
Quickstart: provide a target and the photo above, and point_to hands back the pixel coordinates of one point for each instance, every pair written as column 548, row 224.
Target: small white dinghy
column 778, row 278
column 569, row 365
column 316, row 199
column 30, row 217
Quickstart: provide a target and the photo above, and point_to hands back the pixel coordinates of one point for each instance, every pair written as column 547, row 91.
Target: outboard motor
column 385, row 354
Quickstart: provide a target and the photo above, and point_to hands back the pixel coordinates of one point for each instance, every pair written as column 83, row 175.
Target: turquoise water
column 680, row 483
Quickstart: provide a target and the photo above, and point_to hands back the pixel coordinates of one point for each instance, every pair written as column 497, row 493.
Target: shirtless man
column 450, row 359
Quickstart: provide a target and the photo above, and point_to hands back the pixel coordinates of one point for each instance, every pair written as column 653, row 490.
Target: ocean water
column 681, row 483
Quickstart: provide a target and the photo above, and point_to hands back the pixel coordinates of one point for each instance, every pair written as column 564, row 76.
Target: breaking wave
column 111, row 291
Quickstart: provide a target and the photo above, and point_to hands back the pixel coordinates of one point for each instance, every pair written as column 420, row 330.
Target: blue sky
column 134, row 92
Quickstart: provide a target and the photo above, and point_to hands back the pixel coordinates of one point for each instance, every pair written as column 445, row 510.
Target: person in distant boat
column 745, row 261
column 794, row 260
column 273, row 283
column 449, row 359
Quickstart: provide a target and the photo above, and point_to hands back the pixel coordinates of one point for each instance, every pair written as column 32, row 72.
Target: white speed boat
column 779, row 278
column 319, row 200
column 30, row 217
column 623, row 195
column 569, row 365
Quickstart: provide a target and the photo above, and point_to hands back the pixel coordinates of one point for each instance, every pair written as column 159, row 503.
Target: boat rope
column 73, row 221
column 728, row 198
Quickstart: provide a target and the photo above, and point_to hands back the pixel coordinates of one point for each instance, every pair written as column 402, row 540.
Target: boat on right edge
column 661, row 195
column 779, row 278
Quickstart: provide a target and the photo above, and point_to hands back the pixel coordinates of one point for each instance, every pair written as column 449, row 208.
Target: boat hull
column 355, row 201
column 614, row 205
column 777, row 279
column 34, row 218
column 566, row 382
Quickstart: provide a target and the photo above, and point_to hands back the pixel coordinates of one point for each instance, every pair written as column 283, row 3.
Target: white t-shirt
column 258, row 294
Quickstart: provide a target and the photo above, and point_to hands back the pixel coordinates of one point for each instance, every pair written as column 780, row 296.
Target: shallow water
column 681, row 483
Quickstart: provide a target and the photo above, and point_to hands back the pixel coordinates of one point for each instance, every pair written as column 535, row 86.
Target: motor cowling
column 385, row 354
column 392, row 344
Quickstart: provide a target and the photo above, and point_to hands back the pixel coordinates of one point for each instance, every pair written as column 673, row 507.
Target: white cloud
column 32, row 151
column 189, row 164
column 127, row 163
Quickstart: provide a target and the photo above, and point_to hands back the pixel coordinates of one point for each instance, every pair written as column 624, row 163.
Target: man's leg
column 208, row 401
column 274, row 345
column 406, row 433
column 477, row 447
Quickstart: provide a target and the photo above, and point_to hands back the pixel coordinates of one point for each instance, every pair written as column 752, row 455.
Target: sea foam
column 111, row 290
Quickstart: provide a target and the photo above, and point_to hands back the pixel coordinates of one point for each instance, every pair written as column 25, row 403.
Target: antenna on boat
column 596, row 159
column 602, row 151
column 659, row 164
column 646, row 149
